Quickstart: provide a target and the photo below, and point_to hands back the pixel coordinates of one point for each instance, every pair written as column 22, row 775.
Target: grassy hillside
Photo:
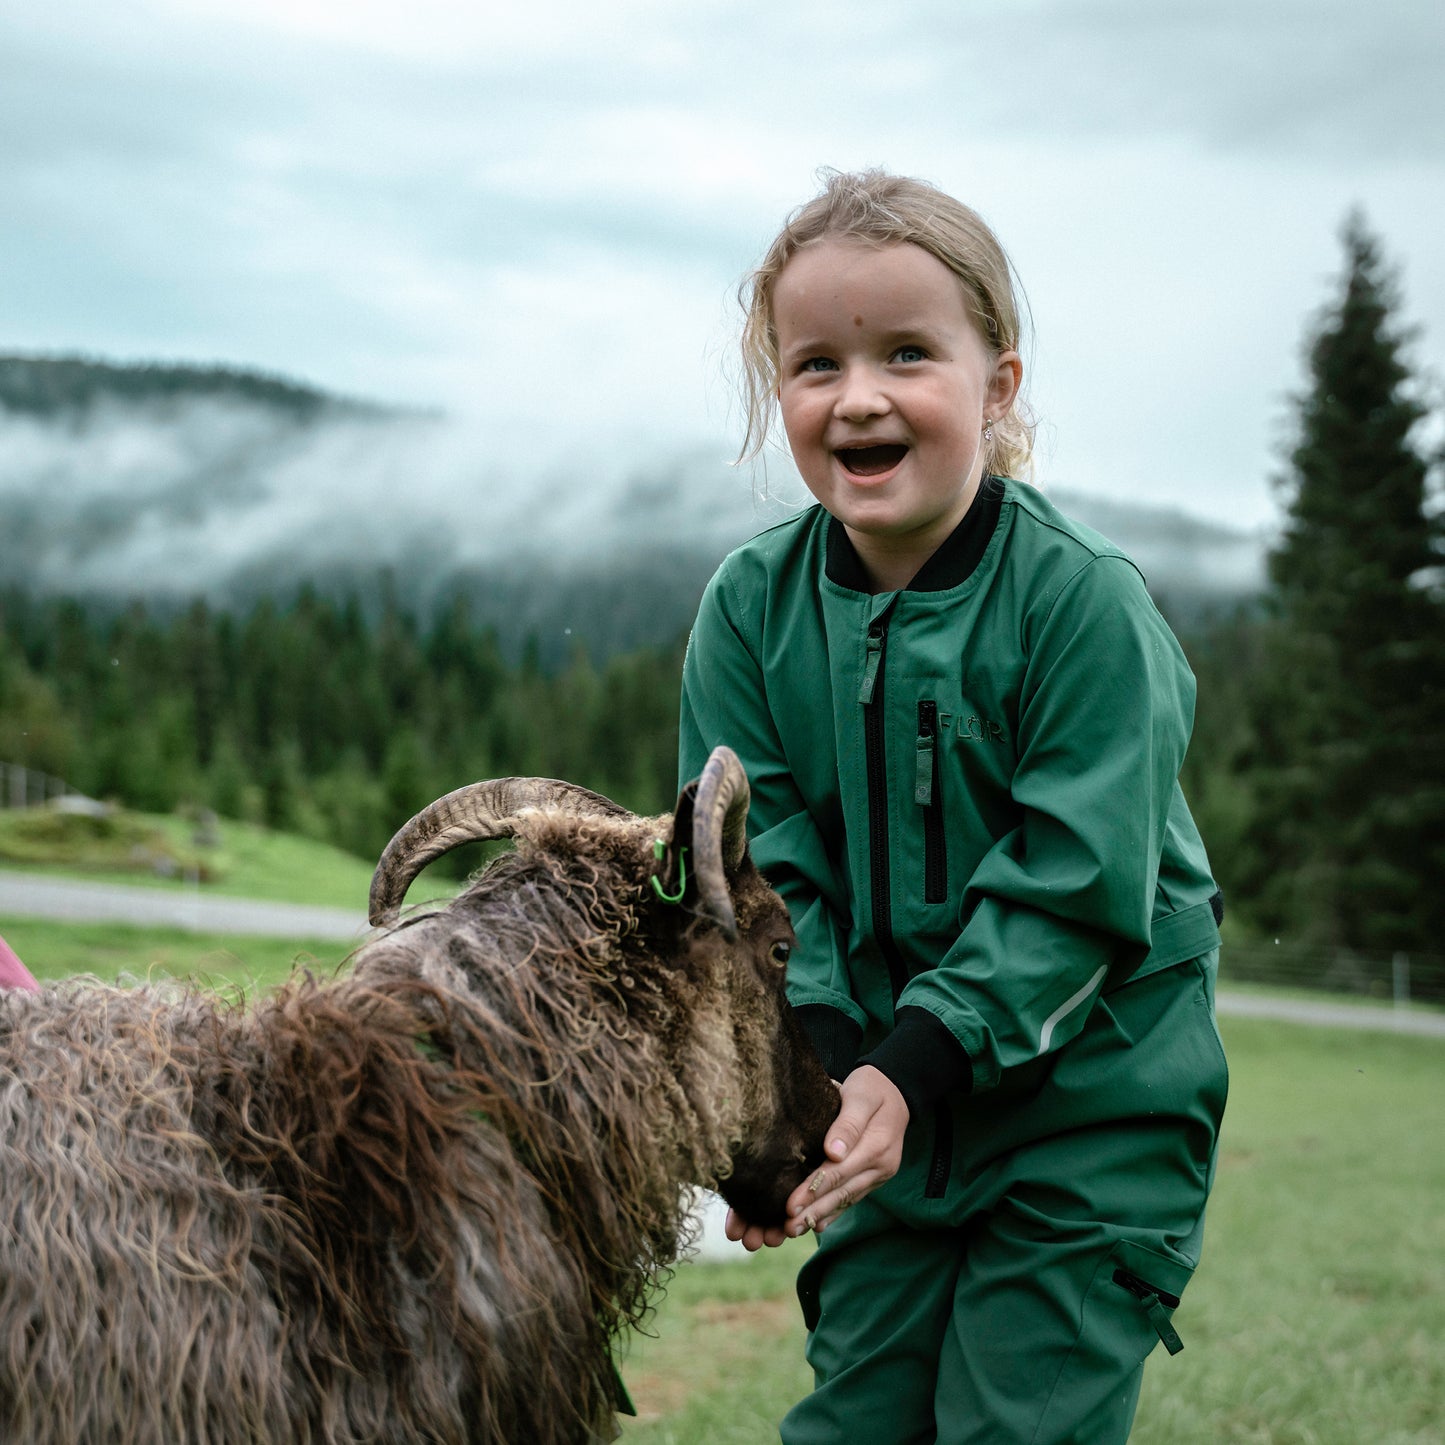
column 156, row 852
column 238, row 860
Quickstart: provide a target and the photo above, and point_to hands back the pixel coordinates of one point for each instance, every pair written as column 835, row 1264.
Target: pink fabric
column 13, row 973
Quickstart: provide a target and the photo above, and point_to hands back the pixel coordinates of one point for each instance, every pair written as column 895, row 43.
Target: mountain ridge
column 47, row 384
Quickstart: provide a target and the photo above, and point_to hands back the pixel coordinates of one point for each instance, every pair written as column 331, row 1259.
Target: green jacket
column 967, row 791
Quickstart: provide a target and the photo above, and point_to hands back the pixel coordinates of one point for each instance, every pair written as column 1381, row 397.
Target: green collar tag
column 658, row 851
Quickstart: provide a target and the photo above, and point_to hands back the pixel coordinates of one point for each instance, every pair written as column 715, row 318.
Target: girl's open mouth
column 871, row 461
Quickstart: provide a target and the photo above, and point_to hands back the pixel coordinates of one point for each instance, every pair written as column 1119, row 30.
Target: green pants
column 1018, row 1302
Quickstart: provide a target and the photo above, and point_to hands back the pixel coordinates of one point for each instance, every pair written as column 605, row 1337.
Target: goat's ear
column 672, row 875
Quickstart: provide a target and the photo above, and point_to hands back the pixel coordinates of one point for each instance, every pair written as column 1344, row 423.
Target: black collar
column 955, row 561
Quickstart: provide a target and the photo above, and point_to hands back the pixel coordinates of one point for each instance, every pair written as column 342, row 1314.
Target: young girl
column 963, row 720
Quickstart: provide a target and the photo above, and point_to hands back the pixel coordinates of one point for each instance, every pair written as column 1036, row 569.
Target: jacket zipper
column 927, row 793
column 876, row 765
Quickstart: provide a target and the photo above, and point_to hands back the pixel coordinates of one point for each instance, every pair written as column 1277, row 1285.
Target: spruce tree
column 1349, row 832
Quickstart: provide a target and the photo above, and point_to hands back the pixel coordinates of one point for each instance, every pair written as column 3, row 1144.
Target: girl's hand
column 754, row 1237
column 864, row 1149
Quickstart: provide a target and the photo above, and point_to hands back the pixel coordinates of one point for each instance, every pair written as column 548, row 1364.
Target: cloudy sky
column 535, row 214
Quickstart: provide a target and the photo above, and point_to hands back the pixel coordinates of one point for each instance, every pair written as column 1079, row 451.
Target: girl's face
column 885, row 386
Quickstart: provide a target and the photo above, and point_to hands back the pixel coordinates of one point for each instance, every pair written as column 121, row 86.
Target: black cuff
column 834, row 1035
column 922, row 1058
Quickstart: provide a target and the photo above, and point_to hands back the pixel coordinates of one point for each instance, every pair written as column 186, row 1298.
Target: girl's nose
column 860, row 396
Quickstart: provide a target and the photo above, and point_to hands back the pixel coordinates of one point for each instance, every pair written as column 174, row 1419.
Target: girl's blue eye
column 818, row 363
column 909, row 353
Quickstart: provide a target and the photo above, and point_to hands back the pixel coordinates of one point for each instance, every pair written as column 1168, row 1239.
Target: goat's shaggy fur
column 413, row 1204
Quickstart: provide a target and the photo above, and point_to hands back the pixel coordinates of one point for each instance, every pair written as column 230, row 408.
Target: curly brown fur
column 414, row 1204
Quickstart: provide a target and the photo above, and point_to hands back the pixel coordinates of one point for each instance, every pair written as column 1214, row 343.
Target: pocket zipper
column 1157, row 1305
column 870, row 696
column 941, row 1165
column 928, row 795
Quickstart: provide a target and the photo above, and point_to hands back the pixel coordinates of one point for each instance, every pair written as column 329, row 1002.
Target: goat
column 420, row 1201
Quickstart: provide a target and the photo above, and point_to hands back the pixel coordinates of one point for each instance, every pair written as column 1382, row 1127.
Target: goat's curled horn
column 719, row 833
column 473, row 814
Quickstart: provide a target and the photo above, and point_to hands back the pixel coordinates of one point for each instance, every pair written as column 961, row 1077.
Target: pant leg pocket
column 1126, row 1311
column 1138, row 1290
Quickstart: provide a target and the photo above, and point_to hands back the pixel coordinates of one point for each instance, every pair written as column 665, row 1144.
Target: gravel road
column 37, row 895
column 1335, row 1015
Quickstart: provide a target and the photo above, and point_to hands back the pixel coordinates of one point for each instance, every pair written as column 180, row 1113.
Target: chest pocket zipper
column 928, row 794
column 941, row 1165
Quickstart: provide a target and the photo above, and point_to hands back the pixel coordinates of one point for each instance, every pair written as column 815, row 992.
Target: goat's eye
column 781, row 952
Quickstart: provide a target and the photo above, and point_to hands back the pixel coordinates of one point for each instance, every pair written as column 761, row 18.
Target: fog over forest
column 177, row 482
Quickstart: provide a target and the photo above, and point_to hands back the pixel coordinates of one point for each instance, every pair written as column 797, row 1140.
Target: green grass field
column 111, row 951
column 1317, row 1317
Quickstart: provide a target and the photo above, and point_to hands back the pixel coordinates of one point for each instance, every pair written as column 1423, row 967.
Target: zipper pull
column 870, row 662
column 1148, row 1296
column 1159, row 1318
column 923, row 771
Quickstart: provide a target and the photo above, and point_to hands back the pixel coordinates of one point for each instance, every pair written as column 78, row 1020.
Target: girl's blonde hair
column 880, row 209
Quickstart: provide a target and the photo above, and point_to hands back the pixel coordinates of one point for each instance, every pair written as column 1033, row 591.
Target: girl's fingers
column 861, row 1172
column 816, row 1211
column 808, row 1210
column 865, row 1148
